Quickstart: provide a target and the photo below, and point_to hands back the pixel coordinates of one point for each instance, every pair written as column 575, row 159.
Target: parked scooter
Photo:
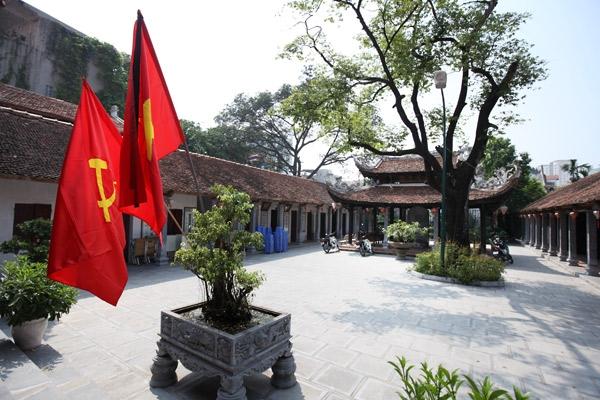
column 364, row 244
column 500, row 249
column 330, row 242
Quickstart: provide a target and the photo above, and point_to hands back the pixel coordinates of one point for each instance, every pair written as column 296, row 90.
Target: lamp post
column 440, row 78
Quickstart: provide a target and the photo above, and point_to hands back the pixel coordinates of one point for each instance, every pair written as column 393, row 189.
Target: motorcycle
column 329, row 242
column 500, row 249
column 364, row 244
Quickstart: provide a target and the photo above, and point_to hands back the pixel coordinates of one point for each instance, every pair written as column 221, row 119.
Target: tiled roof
column 260, row 184
column 33, row 147
column 24, row 100
column 415, row 195
column 582, row 193
column 395, row 165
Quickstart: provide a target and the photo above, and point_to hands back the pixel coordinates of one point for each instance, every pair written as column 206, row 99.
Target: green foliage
column 71, row 55
column 32, row 237
column 442, row 384
column 460, row 264
column 401, row 231
column 500, row 153
column 279, row 127
column 214, row 252
column 221, row 141
column 576, row 171
column 27, row 294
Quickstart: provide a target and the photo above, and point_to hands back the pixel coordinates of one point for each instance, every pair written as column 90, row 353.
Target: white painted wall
column 21, row 191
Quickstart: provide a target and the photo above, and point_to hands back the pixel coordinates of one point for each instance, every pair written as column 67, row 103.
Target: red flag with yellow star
column 86, row 246
column 151, row 131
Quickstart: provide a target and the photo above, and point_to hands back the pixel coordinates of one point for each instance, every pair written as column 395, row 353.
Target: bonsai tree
column 33, row 237
column 214, row 252
column 404, row 232
column 27, row 294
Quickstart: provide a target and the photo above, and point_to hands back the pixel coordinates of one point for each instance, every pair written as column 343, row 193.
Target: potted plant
column 28, row 299
column 31, row 238
column 225, row 335
column 402, row 236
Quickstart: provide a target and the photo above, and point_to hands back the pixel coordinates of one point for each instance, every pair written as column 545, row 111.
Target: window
column 189, row 219
column 27, row 212
column 49, row 91
column 172, row 228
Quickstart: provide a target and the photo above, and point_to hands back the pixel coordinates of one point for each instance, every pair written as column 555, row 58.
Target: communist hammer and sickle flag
column 86, row 247
column 151, row 131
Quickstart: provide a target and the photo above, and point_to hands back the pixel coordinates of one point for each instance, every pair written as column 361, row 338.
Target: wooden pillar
column 531, row 230
column 483, row 241
column 553, row 234
column 545, row 230
column 374, row 219
column 525, row 229
column 386, row 219
column 564, row 235
column 318, row 224
column 592, row 243
column 572, row 238
column 538, row 231
column 351, row 221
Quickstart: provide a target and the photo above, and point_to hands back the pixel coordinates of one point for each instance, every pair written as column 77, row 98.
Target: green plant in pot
column 402, row 236
column 214, row 252
column 28, row 299
column 31, row 238
column 225, row 335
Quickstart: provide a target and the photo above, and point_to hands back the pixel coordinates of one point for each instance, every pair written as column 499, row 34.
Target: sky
column 212, row 50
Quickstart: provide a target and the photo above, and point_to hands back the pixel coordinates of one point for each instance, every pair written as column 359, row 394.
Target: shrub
column 477, row 268
column 214, row 252
column 406, row 232
column 33, row 237
column 460, row 264
column 443, row 384
column 27, row 294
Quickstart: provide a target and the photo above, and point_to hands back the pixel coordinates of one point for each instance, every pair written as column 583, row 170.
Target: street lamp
column 440, row 78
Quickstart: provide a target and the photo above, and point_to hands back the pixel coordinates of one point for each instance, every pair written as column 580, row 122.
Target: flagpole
column 199, row 202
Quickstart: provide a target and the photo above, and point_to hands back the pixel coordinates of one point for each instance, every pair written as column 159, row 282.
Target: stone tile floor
column 349, row 316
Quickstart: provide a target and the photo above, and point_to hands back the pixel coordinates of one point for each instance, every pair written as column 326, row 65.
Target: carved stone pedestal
column 211, row 352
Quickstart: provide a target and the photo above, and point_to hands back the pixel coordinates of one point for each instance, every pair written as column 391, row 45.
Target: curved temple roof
column 426, row 196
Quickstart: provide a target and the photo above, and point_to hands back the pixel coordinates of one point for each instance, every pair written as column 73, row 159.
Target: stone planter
column 29, row 334
column 402, row 248
column 212, row 352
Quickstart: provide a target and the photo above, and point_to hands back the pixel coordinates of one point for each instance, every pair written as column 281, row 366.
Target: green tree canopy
column 400, row 45
column 576, row 171
column 282, row 126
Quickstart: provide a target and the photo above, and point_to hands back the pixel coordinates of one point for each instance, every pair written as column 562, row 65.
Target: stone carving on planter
column 211, row 352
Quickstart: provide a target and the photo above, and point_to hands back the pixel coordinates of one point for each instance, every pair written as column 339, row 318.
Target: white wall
column 21, row 191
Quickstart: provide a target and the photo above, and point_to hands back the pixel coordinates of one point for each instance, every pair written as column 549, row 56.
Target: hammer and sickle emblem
column 104, row 203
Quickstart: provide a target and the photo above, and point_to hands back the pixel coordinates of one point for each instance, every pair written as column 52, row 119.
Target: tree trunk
column 456, row 216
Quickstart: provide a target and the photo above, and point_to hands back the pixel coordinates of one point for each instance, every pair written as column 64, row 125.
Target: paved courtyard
column 349, row 316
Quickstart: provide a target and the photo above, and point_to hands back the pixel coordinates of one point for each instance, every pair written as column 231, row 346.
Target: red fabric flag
column 151, row 131
column 86, row 246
